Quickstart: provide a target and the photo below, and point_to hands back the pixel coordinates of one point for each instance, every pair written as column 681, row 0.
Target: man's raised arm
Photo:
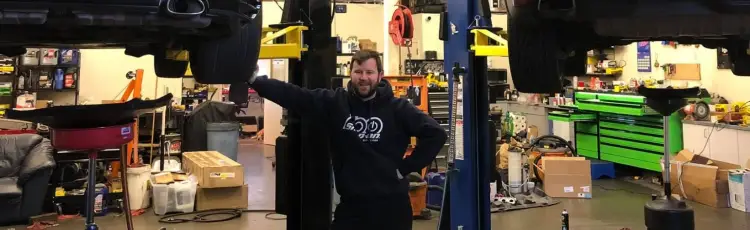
column 292, row 97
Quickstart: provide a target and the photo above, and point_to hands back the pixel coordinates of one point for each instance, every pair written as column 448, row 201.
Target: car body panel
column 104, row 23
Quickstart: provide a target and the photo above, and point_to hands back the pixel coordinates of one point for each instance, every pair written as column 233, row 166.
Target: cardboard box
column 163, row 178
column 367, row 44
column 739, row 189
column 221, row 198
column 700, row 179
column 567, row 177
column 213, row 169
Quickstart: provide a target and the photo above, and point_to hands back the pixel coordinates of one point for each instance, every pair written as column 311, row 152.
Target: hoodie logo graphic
column 368, row 129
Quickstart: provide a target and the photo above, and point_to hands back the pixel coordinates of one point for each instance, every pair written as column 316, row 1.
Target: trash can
column 224, row 138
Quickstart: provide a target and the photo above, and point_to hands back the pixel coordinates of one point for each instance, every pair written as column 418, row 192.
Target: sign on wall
column 644, row 56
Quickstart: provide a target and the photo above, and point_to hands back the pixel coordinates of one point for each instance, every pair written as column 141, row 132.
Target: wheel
column 168, row 68
column 739, row 58
column 228, row 60
column 534, row 53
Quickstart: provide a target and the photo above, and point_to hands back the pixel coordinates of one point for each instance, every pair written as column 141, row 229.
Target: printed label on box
column 568, row 189
column 221, row 175
column 586, row 188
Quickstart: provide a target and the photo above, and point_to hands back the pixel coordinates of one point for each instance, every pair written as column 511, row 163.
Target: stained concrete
column 616, row 205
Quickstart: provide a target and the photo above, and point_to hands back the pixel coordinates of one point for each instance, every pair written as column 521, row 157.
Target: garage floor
column 616, row 205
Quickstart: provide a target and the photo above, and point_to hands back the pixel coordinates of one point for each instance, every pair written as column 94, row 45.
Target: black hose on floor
column 202, row 216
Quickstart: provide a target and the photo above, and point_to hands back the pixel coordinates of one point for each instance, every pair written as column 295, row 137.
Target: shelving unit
column 7, row 76
column 47, row 71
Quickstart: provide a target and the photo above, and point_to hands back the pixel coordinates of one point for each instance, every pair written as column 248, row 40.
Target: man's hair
column 364, row 55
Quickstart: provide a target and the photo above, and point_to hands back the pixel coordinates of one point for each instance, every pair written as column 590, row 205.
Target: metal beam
column 468, row 178
column 307, row 195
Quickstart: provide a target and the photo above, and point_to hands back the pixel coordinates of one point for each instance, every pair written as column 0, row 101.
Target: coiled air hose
column 535, row 144
column 203, row 216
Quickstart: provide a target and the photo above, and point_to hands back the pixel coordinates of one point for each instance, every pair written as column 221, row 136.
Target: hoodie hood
column 383, row 90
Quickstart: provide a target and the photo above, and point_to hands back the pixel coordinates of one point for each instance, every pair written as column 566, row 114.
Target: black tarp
column 194, row 132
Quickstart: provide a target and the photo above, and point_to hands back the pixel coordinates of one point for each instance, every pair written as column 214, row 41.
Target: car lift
column 303, row 171
column 469, row 39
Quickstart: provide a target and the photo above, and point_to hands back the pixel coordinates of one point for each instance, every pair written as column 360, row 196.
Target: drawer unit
column 637, row 141
column 586, row 139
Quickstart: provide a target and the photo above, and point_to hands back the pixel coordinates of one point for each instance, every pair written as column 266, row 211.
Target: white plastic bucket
column 138, row 194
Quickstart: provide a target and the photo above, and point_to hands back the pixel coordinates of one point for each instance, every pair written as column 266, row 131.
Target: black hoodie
column 368, row 138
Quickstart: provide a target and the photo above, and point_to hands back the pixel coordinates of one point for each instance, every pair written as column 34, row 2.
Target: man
column 370, row 131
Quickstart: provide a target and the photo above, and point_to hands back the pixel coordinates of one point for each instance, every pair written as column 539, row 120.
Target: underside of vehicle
column 208, row 29
column 556, row 34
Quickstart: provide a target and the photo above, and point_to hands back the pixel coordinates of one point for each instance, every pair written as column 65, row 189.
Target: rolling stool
column 93, row 128
column 667, row 213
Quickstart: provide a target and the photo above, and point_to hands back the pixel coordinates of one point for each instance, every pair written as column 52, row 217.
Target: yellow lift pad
column 488, row 43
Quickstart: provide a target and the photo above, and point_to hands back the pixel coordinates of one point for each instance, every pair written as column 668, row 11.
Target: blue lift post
column 466, row 199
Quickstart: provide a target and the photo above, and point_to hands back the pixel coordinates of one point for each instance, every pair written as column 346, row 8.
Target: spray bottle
column 59, row 79
column 565, row 221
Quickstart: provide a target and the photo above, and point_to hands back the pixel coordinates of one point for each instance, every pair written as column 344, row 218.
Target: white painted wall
column 103, row 76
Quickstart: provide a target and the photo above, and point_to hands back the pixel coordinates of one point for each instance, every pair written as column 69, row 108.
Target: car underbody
column 211, row 30
column 554, row 34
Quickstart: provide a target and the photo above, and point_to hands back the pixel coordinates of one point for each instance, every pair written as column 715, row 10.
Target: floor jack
column 93, row 128
column 667, row 213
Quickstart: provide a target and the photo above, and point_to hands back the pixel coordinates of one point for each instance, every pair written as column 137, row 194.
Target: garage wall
column 103, row 75
column 364, row 21
column 715, row 80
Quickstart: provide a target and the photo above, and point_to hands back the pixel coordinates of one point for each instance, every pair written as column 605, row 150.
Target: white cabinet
column 724, row 145
column 695, row 137
column 743, row 138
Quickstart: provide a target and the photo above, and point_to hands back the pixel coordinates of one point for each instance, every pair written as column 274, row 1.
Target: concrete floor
column 615, row 205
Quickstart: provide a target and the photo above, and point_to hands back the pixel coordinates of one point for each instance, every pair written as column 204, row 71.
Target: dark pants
column 373, row 213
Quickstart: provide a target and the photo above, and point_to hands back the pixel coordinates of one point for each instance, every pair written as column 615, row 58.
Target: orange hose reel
column 401, row 26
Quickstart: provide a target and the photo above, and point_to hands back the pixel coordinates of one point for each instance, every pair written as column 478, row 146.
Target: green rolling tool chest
column 624, row 130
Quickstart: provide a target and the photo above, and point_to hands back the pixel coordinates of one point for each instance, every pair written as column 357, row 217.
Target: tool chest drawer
column 587, row 145
column 631, row 157
column 570, row 116
column 587, row 127
column 613, row 103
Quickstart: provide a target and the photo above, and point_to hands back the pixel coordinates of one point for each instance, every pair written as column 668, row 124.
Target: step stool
column 602, row 168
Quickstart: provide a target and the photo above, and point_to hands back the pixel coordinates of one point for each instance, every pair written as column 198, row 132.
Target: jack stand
column 667, row 213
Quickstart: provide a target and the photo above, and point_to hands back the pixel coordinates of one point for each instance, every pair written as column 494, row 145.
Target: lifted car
column 222, row 36
column 549, row 39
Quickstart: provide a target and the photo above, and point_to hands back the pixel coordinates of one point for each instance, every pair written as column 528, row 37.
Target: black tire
column 168, row 68
column 228, row 60
column 739, row 58
column 534, row 52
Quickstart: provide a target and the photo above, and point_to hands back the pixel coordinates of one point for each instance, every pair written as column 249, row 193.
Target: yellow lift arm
column 289, row 44
column 488, row 43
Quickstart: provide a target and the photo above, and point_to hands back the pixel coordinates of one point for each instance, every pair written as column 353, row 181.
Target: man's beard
column 370, row 89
